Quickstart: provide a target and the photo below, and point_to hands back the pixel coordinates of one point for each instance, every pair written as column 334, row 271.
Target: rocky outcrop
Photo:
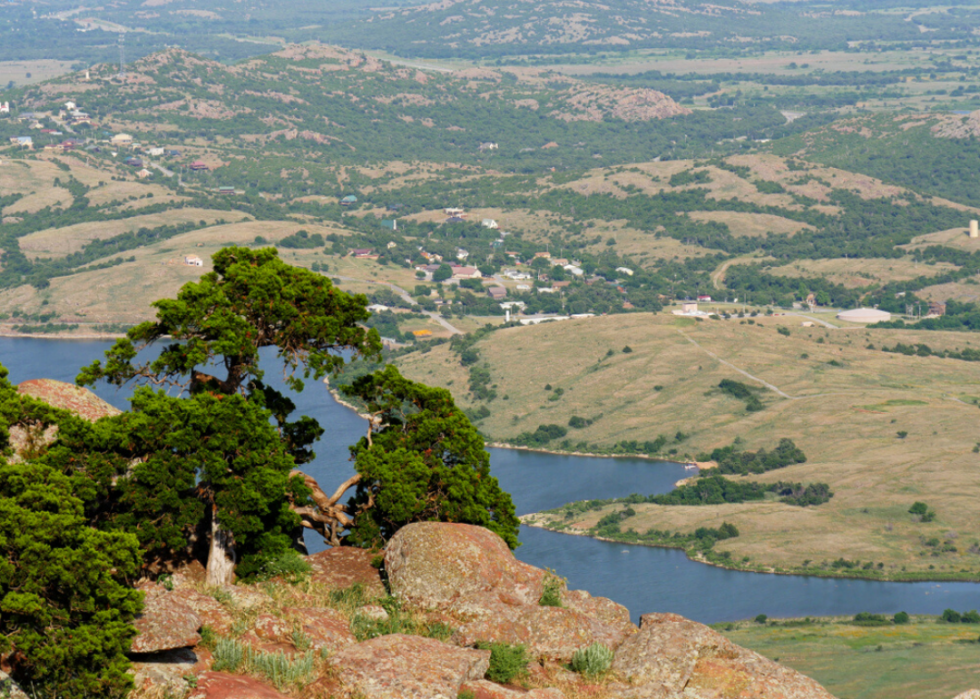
column 57, row 394
column 469, row 573
column 326, row 629
column 221, row 685
column 408, row 667
column 969, row 694
column 342, row 567
column 674, row 657
column 482, row 689
column 66, row 396
column 165, row 623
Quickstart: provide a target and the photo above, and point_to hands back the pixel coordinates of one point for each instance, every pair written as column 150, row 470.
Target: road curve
column 407, row 298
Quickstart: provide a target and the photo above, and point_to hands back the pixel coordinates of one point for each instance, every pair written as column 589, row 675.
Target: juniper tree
column 66, row 605
column 422, row 460
column 213, row 333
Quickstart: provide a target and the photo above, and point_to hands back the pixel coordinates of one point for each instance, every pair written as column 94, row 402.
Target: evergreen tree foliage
column 423, row 461
column 66, row 607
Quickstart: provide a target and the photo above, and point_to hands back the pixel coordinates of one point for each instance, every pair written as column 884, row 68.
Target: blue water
column 641, row 578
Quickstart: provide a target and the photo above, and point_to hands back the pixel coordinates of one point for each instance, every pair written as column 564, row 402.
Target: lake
column 641, row 578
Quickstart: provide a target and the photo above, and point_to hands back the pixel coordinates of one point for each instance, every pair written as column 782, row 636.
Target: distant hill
column 494, row 28
column 934, row 153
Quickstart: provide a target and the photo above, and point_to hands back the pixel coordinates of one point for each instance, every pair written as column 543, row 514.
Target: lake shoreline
column 699, row 465
column 7, row 331
column 799, row 572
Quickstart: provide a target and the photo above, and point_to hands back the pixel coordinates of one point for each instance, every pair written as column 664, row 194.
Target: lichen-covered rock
column 969, row 694
column 436, row 565
column 408, row 667
column 209, row 610
column 66, row 396
column 672, row 656
column 323, row 628
column 375, row 612
column 57, row 394
column 165, row 623
column 164, row 671
column 9, row 689
column 470, row 574
column 221, row 685
column 246, row 597
column 344, row 566
column 549, row 632
column 271, row 627
column 482, row 689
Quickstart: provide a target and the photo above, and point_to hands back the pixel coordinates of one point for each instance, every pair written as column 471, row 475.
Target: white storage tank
column 864, row 315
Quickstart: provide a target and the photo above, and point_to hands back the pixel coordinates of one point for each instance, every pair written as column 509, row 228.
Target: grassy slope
column 926, row 659
column 845, row 419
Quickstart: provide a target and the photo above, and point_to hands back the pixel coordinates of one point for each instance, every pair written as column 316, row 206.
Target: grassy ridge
column 846, row 405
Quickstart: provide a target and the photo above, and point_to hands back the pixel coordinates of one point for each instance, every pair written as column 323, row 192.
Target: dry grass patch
column 39, row 70
column 958, row 238
column 856, row 273
column 753, row 225
column 123, row 293
column 58, row 242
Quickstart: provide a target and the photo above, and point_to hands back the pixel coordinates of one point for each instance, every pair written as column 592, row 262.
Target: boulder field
column 422, row 627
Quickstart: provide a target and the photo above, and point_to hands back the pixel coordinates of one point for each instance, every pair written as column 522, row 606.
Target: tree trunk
column 221, row 557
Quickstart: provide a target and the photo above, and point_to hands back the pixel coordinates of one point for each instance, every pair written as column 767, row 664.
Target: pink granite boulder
column 408, row 667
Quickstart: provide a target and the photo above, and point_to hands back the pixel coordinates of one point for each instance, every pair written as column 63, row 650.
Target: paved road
column 161, row 168
column 408, row 299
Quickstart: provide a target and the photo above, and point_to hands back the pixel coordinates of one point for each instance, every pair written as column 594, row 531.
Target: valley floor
column 925, row 659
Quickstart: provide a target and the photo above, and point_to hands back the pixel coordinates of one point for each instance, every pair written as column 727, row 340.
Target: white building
column 377, row 308
column 489, row 223
column 625, row 270
column 193, row 261
column 70, row 106
column 4, row 107
column 461, row 254
column 577, row 271
column 155, row 152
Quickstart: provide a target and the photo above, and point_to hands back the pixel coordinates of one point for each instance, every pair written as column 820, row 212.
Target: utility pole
column 122, row 55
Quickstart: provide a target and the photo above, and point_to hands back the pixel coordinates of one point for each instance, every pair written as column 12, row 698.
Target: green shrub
column 918, row 508
column 288, row 565
column 229, row 655
column 901, row 618
column 971, row 617
column 592, row 660
column 281, row 670
column 761, row 619
column 466, row 694
column 951, row 616
column 506, row 661
column 869, row 619
column 551, row 592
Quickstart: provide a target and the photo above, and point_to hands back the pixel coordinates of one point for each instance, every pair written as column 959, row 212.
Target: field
column 26, row 72
column 860, row 272
column 926, row 659
column 123, row 293
column 842, row 403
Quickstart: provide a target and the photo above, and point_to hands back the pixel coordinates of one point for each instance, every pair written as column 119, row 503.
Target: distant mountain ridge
column 488, row 28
